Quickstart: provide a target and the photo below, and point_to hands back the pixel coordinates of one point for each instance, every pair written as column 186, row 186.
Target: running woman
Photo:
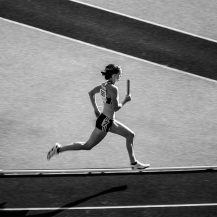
column 106, row 121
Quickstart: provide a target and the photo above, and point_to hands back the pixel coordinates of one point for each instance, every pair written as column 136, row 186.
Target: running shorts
column 104, row 123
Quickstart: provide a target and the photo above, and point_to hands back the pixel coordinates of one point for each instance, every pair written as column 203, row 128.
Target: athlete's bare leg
column 95, row 138
column 122, row 130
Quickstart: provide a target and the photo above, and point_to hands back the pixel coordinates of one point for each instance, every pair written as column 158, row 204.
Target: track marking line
column 110, row 207
column 104, row 170
column 108, row 50
column 143, row 20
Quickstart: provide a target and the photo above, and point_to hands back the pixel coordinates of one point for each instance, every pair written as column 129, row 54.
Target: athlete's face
column 118, row 76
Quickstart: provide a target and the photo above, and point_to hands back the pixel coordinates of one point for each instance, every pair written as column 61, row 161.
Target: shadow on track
column 53, row 213
column 2, row 205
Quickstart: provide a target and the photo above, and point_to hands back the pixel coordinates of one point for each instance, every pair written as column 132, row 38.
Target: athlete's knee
column 87, row 147
column 131, row 135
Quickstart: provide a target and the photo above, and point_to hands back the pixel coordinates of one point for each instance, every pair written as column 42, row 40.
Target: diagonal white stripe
column 108, row 50
column 110, row 207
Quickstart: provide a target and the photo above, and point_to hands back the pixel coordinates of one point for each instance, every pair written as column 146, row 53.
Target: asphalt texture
column 97, row 190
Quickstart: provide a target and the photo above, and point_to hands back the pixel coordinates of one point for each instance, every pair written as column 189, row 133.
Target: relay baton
column 128, row 87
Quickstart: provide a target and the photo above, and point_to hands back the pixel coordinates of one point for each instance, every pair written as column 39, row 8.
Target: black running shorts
column 104, row 123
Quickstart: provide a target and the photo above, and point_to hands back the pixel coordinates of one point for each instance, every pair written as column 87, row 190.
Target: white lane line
column 105, row 170
column 109, row 207
column 108, row 50
column 143, row 20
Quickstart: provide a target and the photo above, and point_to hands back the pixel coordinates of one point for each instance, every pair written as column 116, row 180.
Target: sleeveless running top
column 103, row 93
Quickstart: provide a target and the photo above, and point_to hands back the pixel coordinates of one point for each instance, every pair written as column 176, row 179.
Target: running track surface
column 119, row 33
column 66, row 193
column 193, row 55
column 197, row 109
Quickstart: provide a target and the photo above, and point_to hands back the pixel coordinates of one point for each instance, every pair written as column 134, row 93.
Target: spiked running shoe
column 53, row 151
column 139, row 166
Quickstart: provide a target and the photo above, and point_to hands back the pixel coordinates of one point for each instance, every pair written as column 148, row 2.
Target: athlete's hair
column 110, row 70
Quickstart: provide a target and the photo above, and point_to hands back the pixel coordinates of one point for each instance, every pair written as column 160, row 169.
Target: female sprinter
column 106, row 121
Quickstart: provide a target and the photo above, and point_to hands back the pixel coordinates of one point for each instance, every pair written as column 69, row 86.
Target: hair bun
column 110, row 67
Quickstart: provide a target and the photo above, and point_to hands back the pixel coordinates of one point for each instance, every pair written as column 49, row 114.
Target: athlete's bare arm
column 92, row 93
column 115, row 99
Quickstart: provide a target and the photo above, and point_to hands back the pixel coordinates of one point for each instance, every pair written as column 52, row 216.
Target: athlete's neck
column 110, row 82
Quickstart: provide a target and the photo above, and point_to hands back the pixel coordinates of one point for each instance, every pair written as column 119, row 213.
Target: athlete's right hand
column 128, row 98
column 97, row 113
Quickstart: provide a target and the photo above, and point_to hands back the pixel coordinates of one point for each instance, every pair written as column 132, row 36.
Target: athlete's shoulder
column 113, row 89
column 98, row 86
column 95, row 90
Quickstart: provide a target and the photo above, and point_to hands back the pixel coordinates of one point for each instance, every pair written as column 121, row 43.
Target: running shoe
column 53, row 151
column 139, row 166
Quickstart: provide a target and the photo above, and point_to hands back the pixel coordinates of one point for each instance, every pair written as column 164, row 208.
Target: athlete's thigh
column 95, row 138
column 120, row 129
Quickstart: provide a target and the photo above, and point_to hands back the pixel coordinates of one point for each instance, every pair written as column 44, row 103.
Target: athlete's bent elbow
column 116, row 108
